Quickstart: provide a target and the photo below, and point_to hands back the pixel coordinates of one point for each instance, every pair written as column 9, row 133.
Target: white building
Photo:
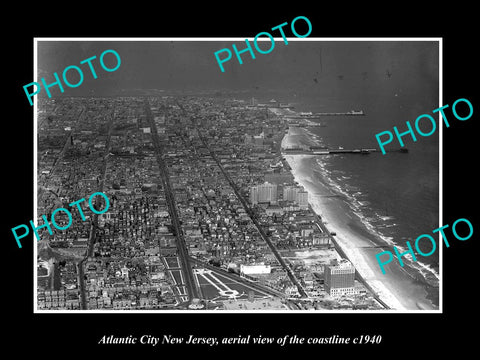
column 296, row 194
column 264, row 193
column 255, row 269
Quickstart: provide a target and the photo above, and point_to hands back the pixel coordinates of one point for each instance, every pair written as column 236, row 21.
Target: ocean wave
column 320, row 176
column 429, row 274
column 357, row 209
column 351, row 195
column 364, row 202
column 384, row 218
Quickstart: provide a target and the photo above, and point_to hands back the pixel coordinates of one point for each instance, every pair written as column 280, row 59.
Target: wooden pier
column 321, row 151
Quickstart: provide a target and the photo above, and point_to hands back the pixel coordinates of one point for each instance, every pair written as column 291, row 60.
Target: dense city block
column 204, row 211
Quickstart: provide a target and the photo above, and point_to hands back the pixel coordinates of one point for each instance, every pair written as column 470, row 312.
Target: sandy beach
column 396, row 288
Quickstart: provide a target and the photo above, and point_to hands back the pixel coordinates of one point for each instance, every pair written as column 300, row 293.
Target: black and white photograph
column 229, row 182
column 241, row 190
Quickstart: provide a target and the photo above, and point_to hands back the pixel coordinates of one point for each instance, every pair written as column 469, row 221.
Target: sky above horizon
column 324, row 67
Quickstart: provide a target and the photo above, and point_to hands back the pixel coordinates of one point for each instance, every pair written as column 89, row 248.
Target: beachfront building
column 302, row 199
column 264, row 193
column 340, row 279
column 296, row 194
column 289, row 193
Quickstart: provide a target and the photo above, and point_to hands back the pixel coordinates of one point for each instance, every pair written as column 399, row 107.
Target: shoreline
column 358, row 276
column 340, row 241
column 355, row 242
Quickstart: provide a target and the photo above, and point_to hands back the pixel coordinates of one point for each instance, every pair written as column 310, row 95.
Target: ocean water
column 376, row 201
column 393, row 198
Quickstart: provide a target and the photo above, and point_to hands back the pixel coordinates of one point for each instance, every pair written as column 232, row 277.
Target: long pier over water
column 326, row 151
column 300, row 151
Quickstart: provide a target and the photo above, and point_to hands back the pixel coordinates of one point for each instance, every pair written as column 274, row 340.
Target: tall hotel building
column 302, row 199
column 264, row 193
column 296, row 194
column 340, row 278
